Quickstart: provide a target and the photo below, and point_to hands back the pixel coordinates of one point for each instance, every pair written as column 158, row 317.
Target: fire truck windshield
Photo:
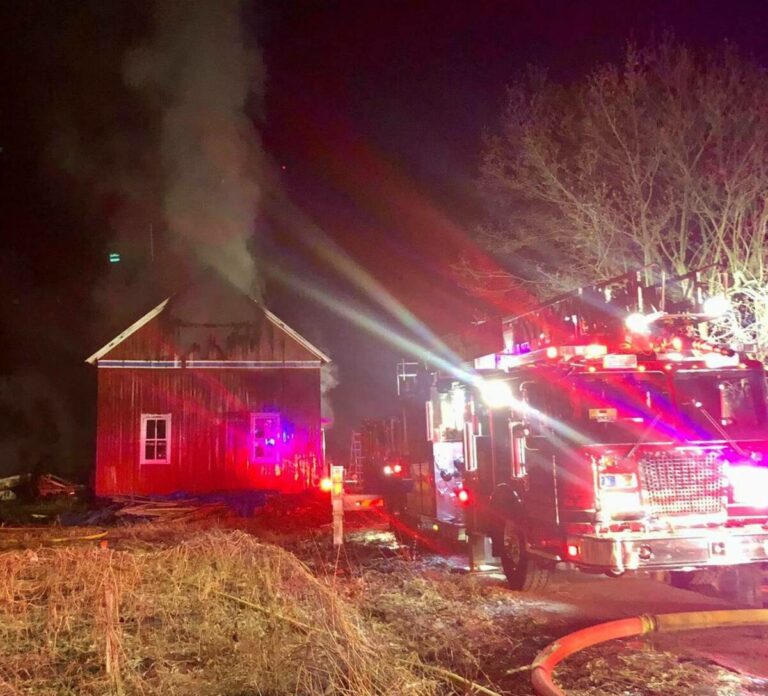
column 727, row 400
column 618, row 407
column 612, row 407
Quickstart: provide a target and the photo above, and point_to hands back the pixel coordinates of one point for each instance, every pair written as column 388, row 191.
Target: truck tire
column 523, row 572
column 404, row 534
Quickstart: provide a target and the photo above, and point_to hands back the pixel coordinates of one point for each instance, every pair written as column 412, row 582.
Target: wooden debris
column 14, row 481
column 168, row 510
column 50, row 485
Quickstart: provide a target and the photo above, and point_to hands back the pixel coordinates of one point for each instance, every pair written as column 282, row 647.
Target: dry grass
column 219, row 613
column 636, row 668
column 467, row 624
column 177, row 609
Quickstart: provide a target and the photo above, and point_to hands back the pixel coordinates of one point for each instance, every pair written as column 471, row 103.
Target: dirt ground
column 431, row 608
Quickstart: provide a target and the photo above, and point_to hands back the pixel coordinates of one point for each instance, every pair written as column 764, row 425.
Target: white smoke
column 206, row 76
column 329, row 380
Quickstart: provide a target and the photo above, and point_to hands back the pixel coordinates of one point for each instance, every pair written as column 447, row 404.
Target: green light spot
column 114, row 257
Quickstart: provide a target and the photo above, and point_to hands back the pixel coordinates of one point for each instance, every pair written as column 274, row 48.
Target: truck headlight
column 618, row 502
column 619, row 492
column 749, row 484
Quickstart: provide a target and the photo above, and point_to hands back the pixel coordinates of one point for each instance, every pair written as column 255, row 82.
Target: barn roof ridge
column 132, row 329
column 280, row 324
column 152, row 313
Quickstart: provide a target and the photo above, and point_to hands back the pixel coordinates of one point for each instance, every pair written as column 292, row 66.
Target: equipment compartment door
column 448, row 460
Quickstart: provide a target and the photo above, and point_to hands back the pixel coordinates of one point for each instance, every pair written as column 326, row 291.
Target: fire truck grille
column 682, row 483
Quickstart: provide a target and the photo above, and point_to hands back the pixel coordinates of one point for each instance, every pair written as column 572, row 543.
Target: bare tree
column 662, row 160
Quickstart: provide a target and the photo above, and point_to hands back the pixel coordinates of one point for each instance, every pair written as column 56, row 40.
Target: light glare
column 496, row 393
column 750, row 485
column 638, row 323
column 716, row 306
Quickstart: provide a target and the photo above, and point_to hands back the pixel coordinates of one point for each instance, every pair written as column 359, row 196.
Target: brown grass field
column 268, row 607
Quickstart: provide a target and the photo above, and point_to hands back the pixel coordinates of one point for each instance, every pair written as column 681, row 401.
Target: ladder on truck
column 600, row 309
column 355, row 471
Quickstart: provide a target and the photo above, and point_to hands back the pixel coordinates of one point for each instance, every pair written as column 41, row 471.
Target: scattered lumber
column 168, row 510
column 10, row 482
column 49, row 485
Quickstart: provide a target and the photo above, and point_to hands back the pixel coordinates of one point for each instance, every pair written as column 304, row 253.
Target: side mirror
column 525, row 430
column 518, row 431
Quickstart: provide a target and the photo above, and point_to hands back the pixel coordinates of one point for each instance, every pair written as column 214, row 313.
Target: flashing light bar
column 593, row 351
column 715, row 360
column 619, row 361
column 508, row 361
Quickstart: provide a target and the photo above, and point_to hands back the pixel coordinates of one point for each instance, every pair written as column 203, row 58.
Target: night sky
column 372, row 116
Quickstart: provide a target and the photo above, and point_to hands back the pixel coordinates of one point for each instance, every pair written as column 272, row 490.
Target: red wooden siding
column 211, row 446
column 210, row 401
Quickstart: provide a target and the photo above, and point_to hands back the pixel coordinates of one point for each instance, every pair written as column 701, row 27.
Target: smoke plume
column 206, row 78
column 329, row 380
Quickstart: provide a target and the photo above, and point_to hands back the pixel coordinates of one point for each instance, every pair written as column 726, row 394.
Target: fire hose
column 554, row 653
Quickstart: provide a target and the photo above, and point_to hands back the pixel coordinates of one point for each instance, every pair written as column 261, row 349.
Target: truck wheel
column 403, row 535
column 522, row 571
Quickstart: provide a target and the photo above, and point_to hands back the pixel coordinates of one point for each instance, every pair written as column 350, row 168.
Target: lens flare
column 638, row 323
column 496, row 393
column 716, row 306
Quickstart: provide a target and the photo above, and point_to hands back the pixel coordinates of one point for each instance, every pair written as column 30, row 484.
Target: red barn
column 208, row 392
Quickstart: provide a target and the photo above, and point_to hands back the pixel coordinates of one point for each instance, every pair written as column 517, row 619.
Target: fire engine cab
column 608, row 434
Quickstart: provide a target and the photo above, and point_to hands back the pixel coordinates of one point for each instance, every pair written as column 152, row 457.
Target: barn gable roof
column 133, row 328
column 233, row 309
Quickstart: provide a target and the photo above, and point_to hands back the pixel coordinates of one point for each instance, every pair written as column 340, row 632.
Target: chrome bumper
column 670, row 550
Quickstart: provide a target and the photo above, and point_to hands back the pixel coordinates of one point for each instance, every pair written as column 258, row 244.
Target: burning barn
column 208, row 392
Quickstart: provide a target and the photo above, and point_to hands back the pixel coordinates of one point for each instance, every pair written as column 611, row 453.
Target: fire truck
column 607, row 433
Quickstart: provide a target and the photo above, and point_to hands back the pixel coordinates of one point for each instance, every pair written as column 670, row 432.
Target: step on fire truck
column 608, row 434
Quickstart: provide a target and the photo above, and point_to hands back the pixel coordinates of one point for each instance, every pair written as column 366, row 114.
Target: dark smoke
column 207, row 79
column 37, row 427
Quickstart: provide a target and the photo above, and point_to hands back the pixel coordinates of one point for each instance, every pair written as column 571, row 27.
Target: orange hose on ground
column 553, row 654
column 683, row 621
column 556, row 652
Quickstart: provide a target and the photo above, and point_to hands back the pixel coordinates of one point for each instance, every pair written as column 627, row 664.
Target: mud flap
column 741, row 585
column 505, row 504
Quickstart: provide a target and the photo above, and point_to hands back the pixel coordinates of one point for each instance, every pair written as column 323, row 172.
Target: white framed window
column 266, row 437
column 155, row 438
